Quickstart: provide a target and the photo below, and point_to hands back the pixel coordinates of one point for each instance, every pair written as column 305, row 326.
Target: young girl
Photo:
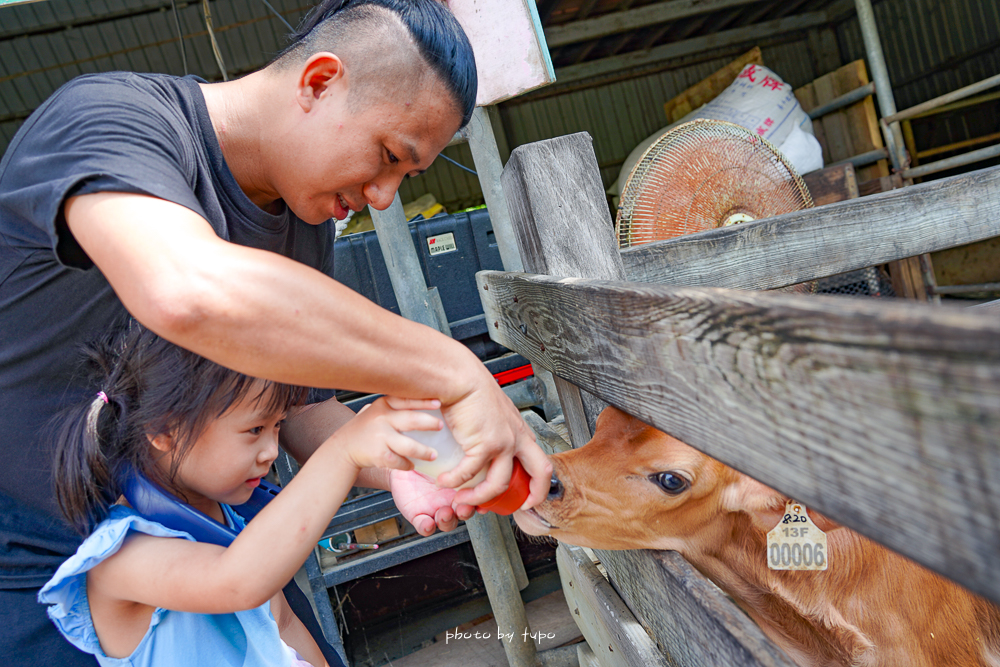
column 137, row 593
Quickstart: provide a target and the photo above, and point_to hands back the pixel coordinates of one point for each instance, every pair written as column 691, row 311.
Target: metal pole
column 965, row 289
column 952, row 162
column 844, row 100
column 864, row 158
column 486, row 155
column 953, row 96
column 423, row 305
column 883, row 87
column 887, row 106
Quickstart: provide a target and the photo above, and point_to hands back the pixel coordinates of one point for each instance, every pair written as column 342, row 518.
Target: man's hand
column 491, row 431
column 424, row 504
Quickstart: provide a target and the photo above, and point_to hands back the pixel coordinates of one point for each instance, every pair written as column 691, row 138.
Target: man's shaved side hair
column 377, row 50
column 389, row 47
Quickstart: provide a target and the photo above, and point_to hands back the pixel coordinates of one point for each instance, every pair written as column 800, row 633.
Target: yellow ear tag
column 796, row 543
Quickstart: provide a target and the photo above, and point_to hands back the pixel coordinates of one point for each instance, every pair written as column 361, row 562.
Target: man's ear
column 318, row 76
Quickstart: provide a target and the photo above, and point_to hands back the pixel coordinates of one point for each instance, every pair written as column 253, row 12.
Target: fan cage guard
column 705, row 174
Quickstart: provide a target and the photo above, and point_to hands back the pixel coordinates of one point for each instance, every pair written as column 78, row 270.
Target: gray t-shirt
column 117, row 132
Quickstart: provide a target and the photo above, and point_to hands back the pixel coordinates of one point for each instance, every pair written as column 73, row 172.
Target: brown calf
column 633, row 487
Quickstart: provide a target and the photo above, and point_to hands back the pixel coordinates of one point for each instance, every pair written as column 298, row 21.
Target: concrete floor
column 548, row 617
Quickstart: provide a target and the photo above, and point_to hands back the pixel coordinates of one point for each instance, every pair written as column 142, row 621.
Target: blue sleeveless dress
column 246, row 638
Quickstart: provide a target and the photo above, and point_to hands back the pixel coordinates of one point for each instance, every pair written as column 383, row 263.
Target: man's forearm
column 258, row 312
column 307, row 427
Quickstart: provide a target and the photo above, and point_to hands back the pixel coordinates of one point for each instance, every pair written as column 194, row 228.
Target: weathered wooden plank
column 885, row 416
column 563, row 227
column 633, row 19
column 557, row 205
column 838, row 134
column 560, row 227
column 815, row 243
column 692, row 611
column 611, row 630
column 832, row 184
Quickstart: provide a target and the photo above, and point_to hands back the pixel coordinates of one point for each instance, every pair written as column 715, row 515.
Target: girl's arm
column 422, row 503
column 174, row 274
column 204, row 578
column 294, row 633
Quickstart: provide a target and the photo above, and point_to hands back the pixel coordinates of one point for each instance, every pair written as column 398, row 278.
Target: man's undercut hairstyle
column 338, row 25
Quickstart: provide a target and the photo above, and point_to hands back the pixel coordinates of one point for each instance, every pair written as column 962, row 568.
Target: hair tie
column 93, row 412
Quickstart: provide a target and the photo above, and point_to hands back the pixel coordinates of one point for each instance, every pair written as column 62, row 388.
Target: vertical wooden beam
column 563, row 225
column 504, row 573
column 416, row 302
column 563, row 228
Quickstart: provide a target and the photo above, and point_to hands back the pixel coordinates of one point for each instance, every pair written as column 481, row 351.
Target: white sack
column 761, row 102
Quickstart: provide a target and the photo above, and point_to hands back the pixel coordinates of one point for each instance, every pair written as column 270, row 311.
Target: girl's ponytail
column 84, row 473
column 149, row 387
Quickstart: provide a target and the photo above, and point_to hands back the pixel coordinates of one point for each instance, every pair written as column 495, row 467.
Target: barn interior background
column 617, row 61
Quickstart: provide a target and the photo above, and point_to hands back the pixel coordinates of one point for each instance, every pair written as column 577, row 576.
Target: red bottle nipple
column 511, row 500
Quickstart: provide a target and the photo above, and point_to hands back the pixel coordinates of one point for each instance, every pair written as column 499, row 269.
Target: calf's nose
column 555, row 488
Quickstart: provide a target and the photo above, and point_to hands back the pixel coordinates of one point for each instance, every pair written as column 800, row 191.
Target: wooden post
column 563, row 224
column 501, row 587
column 562, row 233
column 503, row 577
column 416, row 301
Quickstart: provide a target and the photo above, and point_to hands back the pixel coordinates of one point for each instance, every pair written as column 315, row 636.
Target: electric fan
column 702, row 175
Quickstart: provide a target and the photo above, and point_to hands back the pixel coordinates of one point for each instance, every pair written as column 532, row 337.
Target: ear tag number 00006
column 796, row 543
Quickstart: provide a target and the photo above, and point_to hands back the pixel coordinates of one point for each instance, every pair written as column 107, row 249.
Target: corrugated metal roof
column 932, row 47
column 45, row 44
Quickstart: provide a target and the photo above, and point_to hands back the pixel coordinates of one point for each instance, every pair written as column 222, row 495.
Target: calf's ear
column 763, row 504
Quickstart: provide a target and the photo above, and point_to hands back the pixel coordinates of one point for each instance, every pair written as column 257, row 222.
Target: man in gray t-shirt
column 203, row 210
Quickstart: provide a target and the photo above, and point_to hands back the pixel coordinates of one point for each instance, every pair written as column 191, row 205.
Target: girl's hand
column 374, row 438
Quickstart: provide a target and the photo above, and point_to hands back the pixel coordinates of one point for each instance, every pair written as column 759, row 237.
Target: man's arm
column 268, row 316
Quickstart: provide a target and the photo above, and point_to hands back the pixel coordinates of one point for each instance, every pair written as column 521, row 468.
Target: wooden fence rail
column 815, row 243
column 886, row 416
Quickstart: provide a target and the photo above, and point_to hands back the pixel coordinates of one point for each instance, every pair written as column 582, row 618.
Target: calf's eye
column 670, row 482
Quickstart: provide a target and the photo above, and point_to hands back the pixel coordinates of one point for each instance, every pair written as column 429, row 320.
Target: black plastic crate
column 451, row 249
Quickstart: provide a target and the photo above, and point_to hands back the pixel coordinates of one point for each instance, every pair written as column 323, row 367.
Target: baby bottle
column 450, row 454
